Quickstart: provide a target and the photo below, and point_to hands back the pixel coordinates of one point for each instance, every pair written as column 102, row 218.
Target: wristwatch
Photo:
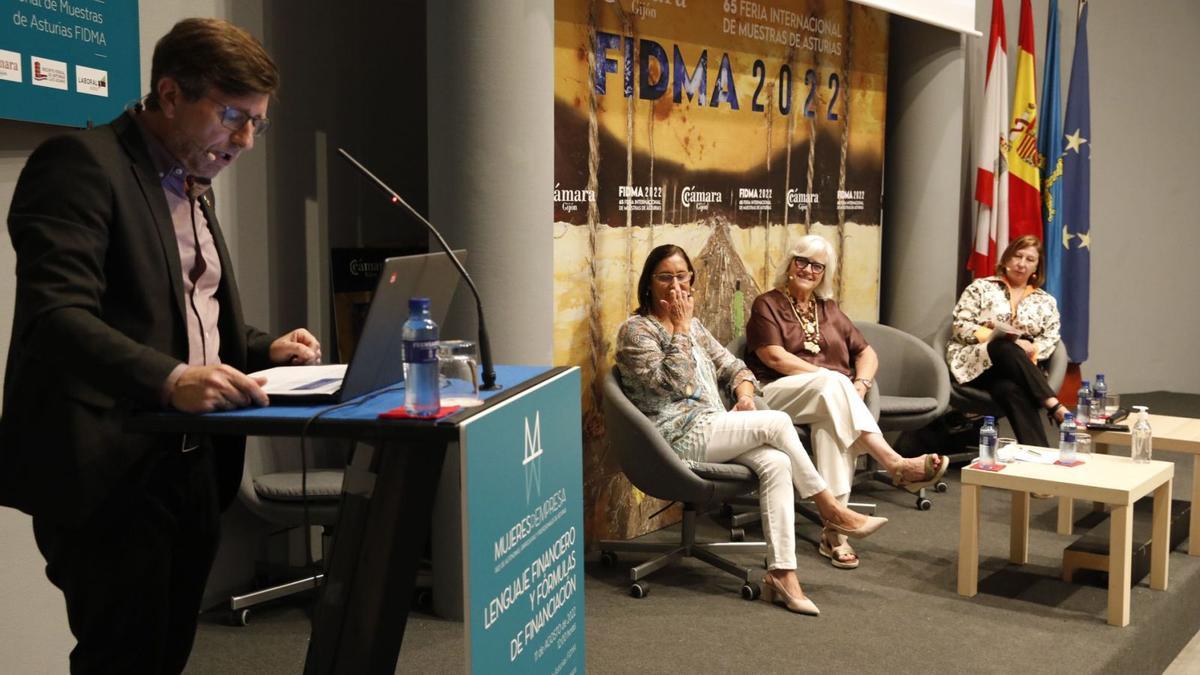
column 867, row 382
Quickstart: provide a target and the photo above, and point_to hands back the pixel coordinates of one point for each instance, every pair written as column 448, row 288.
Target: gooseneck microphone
column 485, row 346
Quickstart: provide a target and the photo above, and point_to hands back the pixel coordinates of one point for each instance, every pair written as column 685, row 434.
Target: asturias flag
column 1050, row 145
column 1024, row 165
column 1076, row 207
column 991, row 163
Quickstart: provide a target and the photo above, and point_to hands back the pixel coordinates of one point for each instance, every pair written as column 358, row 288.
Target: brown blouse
column 772, row 322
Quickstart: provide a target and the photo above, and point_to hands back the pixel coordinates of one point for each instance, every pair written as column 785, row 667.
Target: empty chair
column 912, row 384
column 274, row 489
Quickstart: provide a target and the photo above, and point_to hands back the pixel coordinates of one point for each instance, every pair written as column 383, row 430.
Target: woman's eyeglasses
column 801, row 262
column 667, row 277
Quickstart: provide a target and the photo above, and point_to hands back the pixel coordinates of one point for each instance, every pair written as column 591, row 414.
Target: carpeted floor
column 897, row 613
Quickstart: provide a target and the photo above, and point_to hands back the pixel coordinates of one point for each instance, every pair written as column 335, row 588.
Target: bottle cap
column 418, row 304
column 1140, row 408
column 1084, row 384
column 988, row 419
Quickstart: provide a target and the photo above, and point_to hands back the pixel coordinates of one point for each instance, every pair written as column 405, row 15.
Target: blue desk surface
column 357, row 417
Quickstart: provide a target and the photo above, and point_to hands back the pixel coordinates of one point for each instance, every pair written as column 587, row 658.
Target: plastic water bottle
column 1099, row 391
column 987, row 442
column 1066, row 439
column 422, row 396
column 1143, row 438
column 1083, row 405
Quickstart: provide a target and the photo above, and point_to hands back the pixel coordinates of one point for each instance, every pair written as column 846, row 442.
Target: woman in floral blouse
column 1004, row 325
column 670, row 367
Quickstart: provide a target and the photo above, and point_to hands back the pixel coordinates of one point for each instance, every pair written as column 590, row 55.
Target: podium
column 522, row 520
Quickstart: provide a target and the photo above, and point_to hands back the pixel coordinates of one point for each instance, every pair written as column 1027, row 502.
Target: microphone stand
column 485, row 346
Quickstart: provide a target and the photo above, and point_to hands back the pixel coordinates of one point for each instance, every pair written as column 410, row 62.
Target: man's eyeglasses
column 667, row 277
column 801, row 262
column 235, row 119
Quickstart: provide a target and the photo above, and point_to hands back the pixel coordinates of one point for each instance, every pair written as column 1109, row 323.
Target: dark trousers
column 1020, row 389
column 134, row 574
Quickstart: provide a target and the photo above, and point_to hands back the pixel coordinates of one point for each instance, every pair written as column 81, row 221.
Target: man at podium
column 126, row 299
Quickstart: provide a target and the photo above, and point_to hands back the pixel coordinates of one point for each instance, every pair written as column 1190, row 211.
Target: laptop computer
column 377, row 361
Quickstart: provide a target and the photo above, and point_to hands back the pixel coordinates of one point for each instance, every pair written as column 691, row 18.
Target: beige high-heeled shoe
column 777, row 596
column 865, row 530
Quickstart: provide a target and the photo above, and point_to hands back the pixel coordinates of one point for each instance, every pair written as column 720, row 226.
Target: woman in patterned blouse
column 670, row 366
column 806, row 350
column 1003, row 326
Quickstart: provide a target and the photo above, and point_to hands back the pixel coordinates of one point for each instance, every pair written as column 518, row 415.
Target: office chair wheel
column 239, row 617
column 638, row 590
column 737, row 534
column 608, row 559
column 751, row 591
column 923, row 504
column 941, row 486
column 423, row 598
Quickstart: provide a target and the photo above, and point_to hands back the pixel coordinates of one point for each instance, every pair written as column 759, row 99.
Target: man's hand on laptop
column 202, row 389
column 296, row 348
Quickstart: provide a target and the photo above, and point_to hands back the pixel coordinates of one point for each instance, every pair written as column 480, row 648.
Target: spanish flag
column 1024, row 161
column 991, row 161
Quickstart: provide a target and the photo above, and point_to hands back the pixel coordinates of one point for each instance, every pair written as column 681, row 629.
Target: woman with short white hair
column 815, row 365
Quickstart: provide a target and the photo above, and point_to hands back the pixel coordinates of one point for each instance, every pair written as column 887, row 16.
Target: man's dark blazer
column 99, row 325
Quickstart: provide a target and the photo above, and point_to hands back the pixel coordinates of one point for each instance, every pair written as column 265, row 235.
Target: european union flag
column 1076, row 204
column 1050, row 145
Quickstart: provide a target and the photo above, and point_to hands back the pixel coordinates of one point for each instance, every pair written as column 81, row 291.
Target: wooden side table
column 1116, row 481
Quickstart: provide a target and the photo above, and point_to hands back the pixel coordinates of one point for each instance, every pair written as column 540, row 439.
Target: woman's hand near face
column 679, row 306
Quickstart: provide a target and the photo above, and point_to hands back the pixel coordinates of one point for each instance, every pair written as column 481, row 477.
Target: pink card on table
column 1076, row 462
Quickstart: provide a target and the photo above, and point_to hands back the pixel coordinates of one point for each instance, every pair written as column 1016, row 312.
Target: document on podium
column 307, row 382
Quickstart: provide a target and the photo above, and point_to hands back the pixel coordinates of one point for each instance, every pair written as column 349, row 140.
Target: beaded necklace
column 809, row 320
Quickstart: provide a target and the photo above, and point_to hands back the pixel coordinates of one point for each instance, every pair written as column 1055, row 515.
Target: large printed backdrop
column 728, row 127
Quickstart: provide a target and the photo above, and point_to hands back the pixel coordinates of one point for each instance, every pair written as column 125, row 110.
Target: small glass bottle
column 987, row 442
column 1083, row 404
column 1143, row 437
column 1099, row 391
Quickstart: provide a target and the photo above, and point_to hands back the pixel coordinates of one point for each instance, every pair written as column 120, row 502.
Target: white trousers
column 766, row 442
column 826, row 401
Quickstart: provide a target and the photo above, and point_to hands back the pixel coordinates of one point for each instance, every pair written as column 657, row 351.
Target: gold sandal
column 931, row 477
column 841, row 556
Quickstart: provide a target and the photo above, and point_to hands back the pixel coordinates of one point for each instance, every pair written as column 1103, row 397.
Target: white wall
column 33, row 625
column 1144, row 94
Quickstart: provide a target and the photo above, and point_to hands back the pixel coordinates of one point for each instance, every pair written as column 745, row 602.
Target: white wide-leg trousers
column 826, row 401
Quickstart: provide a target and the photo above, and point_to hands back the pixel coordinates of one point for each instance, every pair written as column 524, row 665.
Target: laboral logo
column 49, row 73
column 10, row 66
column 533, row 457
column 91, row 81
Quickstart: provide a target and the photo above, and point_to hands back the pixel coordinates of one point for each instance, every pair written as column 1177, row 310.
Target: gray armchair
column 654, row 468
column 970, row 400
column 271, row 488
column 912, row 384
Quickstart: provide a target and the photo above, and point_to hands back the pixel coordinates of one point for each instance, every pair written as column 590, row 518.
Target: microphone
column 485, row 346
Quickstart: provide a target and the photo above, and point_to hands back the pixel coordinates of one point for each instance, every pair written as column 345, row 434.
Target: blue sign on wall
column 524, row 493
column 68, row 61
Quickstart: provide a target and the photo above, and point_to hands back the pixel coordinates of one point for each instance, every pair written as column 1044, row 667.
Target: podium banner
column 523, row 492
